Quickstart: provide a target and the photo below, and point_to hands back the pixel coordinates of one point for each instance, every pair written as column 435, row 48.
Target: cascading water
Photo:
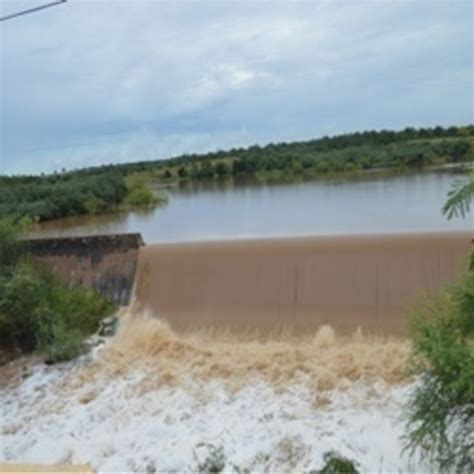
column 167, row 394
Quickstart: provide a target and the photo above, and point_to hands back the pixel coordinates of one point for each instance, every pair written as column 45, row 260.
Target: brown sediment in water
column 150, row 355
column 322, row 311
column 322, row 359
column 298, row 284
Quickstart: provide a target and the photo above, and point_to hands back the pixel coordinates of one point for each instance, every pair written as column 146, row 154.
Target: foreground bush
column 441, row 409
column 38, row 312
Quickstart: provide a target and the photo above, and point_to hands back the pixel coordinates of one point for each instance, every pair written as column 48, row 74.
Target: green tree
column 441, row 408
column 207, row 170
column 195, row 171
column 222, row 169
column 141, row 196
column 459, row 198
column 182, row 172
column 11, row 247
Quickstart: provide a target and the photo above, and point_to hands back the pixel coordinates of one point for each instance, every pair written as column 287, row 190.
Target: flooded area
column 217, row 211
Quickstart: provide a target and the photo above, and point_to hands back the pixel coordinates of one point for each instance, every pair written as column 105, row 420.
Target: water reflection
column 250, row 208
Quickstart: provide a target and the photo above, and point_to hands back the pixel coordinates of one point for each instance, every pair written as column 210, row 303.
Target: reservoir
column 228, row 210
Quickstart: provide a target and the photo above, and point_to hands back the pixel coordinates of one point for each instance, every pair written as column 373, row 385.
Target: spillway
column 153, row 399
column 298, row 284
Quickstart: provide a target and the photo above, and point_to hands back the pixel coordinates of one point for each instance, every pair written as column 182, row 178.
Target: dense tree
column 97, row 189
column 182, row 172
column 42, row 198
column 222, row 169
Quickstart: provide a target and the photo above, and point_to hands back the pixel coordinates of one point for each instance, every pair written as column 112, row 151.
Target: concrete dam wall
column 265, row 284
column 298, row 283
column 106, row 263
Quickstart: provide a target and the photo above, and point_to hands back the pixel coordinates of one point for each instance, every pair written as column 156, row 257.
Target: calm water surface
column 219, row 211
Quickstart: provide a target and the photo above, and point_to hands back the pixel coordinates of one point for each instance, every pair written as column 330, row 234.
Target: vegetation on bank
column 441, row 408
column 37, row 311
column 408, row 148
column 44, row 198
column 105, row 188
column 140, row 194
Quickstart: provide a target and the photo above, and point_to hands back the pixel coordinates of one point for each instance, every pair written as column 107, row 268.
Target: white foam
column 115, row 426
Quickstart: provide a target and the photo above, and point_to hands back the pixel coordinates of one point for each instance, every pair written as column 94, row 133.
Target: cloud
column 89, row 81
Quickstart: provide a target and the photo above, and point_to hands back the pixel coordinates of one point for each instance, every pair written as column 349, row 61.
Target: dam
column 106, row 263
column 265, row 285
column 298, row 283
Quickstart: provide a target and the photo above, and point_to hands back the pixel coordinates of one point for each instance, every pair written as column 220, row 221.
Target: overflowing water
column 177, row 395
column 153, row 400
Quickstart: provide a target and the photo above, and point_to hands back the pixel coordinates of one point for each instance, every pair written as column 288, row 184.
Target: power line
column 32, row 10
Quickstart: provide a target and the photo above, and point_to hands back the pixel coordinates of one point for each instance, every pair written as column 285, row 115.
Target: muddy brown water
column 216, row 211
column 298, row 283
column 236, row 255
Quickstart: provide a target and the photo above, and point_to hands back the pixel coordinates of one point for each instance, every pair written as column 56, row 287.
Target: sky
column 107, row 81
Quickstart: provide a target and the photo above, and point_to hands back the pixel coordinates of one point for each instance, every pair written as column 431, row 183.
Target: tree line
column 102, row 188
column 349, row 152
column 51, row 197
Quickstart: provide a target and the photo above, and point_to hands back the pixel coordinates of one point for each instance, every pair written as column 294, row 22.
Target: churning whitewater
column 153, row 400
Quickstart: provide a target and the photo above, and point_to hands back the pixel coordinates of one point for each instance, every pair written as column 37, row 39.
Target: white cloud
column 88, row 71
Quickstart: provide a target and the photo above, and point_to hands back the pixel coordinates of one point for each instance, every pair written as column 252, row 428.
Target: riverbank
column 287, row 176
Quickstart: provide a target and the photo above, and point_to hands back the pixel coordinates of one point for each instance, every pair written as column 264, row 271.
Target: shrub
column 21, row 294
column 94, row 205
column 81, row 308
column 140, row 195
column 10, row 245
column 182, row 172
column 38, row 312
column 337, row 464
column 441, row 408
column 55, row 340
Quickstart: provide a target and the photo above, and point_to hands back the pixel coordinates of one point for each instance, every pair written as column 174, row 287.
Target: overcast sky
column 113, row 81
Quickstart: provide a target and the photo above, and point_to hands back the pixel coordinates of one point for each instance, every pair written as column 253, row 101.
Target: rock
column 108, row 326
